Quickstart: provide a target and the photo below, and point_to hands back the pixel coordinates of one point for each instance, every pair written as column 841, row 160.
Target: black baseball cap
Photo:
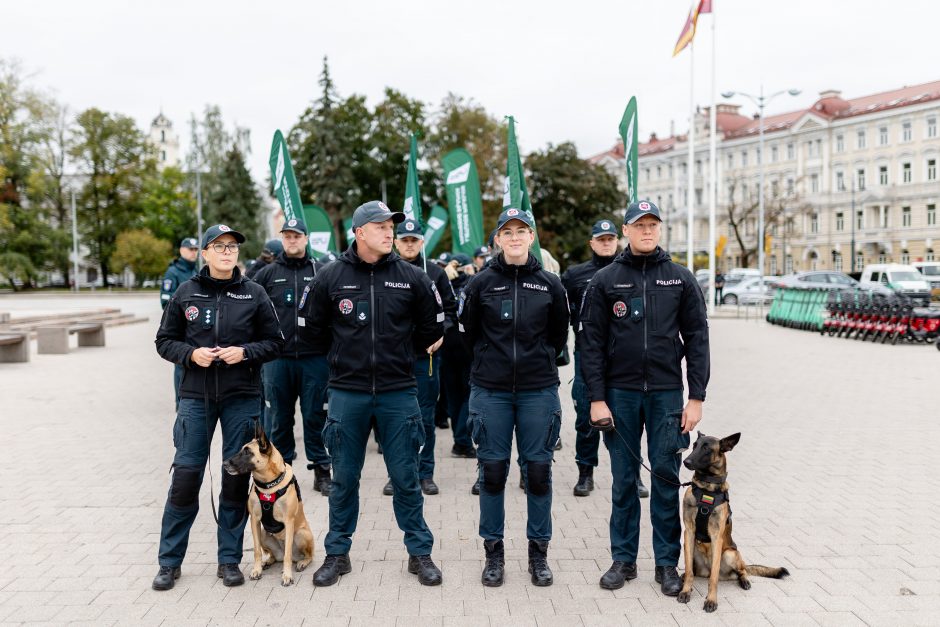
column 375, row 211
column 409, row 227
column 295, row 225
column 462, row 260
column 514, row 214
column 189, row 242
column 273, row 247
column 604, row 227
column 482, row 251
column 216, row 231
column 444, row 258
column 636, row 210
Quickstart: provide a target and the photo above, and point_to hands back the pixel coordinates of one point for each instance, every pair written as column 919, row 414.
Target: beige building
column 165, row 142
column 864, row 167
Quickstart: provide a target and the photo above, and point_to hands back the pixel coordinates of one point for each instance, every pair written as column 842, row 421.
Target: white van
column 931, row 272
column 902, row 279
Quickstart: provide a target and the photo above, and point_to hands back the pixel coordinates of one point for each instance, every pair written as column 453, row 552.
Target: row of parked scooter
column 879, row 318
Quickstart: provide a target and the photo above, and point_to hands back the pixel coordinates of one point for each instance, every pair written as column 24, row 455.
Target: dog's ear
column 262, row 438
column 701, row 435
column 728, row 443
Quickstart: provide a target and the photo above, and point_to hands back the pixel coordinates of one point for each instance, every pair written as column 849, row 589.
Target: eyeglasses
column 219, row 247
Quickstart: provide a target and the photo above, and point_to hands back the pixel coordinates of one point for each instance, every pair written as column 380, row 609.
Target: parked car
column 818, row 279
column 749, row 291
column 902, row 279
column 931, row 272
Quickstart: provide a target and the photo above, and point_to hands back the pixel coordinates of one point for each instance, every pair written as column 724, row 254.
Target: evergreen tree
column 237, row 203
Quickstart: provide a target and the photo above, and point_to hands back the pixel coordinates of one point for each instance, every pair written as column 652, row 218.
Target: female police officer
column 220, row 327
column 514, row 316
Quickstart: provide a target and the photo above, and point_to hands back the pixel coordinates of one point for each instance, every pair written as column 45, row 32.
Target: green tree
column 393, row 121
column 237, row 203
column 168, row 206
column 112, row 154
column 138, row 249
column 209, row 146
column 568, row 195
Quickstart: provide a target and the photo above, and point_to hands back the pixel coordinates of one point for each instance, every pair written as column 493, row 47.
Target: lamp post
column 853, row 225
column 761, row 101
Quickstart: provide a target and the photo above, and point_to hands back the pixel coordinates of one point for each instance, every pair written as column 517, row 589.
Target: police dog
column 709, row 550
column 275, row 490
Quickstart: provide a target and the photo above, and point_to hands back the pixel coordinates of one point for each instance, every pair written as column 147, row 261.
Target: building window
column 906, row 172
column 883, row 136
column 659, row 172
column 882, row 175
column 774, row 188
column 790, row 185
column 813, row 260
column 773, row 154
column 931, row 215
column 840, row 221
column 931, row 127
column 646, row 173
column 698, row 196
column 162, row 155
column 836, row 261
column 931, row 169
column 860, row 135
column 814, row 183
column 840, row 181
column 860, row 219
column 905, row 216
column 791, row 152
column 928, row 256
column 905, row 257
column 788, row 265
column 814, row 223
column 860, row 176
column 859, row 260
column 698, row 166
column 744, row 159
column 883, row 216
column 683, row 169
column 670, row 170
column 162, row 136
column 773, row 265
column 906, row 132
column 840, row 143
column 882, row 257
column 730, row 160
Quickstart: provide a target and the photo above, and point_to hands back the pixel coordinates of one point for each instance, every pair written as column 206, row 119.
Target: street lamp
column 761, row 101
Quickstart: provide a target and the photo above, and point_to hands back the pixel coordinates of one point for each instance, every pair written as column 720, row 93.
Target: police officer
column 301, row 372
column 514, row 315
column 377, row 307
column 409, row 238
column 603, row 243
column 641, row 315
column 272, row 248
column 455, row 375
column 180, row 270
column 480, row 256
column 220, row 327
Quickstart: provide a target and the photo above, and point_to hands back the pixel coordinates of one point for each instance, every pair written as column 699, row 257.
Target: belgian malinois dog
column 275, row 505
column 706, row 513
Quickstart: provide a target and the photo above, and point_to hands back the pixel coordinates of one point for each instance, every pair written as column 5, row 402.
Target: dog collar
column 271, row 484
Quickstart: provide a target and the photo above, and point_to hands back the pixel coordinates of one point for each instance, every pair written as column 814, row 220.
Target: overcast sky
column 565, row 69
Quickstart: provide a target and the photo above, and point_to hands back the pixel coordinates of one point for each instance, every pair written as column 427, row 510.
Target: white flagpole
column 691, row 164
column 712, row 172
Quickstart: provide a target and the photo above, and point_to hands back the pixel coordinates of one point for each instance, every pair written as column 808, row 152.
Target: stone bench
column 14, row 347
column 54, row 339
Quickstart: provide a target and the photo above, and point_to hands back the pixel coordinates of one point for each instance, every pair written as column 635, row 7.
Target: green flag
column 434, row 229
column 412, row 205
column 466, row 204
column 319, row 230
column 628, row 131
column 350, row 236
column 515, row 193
column 282, row 176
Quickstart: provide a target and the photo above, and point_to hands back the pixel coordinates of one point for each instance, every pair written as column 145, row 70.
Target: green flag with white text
column 628, row 131
column 515, row 193
column 282, row 177
column 464, row 200
column 412, row 205
column 350, row 236
column 319, row 230
column 434, row 229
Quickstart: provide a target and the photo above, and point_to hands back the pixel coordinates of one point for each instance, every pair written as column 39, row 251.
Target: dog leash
column 638, row 458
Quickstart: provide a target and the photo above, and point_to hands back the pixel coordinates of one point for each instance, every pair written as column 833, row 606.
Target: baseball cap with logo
column 297, row 226
column 482, row 251
column 604, row 227
column 409, row 228
column 636, row 210
column 514, row 214
column 216, row 231
column 189, row 242
column 375, row 211
column 273, row 247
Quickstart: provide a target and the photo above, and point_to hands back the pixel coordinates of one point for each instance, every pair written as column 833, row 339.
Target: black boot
column 422, row 566
column 166, row 577
column 668, row 579
column 495, row 563
column 641, row 489
column 429, row 487
column 558, row 444
column 585, row 484
column 333, row 566
column 321, row 479
column 476, row 487
column 230, row 575
column 617, row 575
column 538, row 563
column 389, row 489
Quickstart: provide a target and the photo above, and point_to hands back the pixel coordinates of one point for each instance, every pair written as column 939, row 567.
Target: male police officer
column 272, row 248
column 180, row 270
column 377, row 308
column 409, row 238
column 641, row 315
column 221, row 327
column 603, row 243
column 301, row 371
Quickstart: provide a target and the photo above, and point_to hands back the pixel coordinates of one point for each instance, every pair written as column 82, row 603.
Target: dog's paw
column 710, row 606
column 255, row 573
column 303, row 564
column 744, row 583
column 684, row 597
column 287, row 580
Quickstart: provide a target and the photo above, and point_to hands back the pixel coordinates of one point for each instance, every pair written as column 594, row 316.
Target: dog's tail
column 773, row 572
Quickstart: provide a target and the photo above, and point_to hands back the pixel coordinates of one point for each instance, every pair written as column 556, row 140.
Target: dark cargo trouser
column 587, row 439
column 429, row 387
column 286, row 380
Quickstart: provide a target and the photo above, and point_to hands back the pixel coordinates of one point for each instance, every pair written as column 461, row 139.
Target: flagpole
column 691, row 165
column 712, row 173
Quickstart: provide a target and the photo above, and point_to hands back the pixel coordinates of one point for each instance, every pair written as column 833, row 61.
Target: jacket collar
column 207, row 281
column 185, row 265
column 628, row 258
column 601, row 262
column 351, row 256
column 292, row 262
column 531, row 266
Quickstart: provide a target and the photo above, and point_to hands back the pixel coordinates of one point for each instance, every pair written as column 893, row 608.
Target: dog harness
column 271, row 524
column 707, row 501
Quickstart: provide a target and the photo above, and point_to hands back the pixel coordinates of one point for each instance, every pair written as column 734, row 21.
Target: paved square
column 831, row 480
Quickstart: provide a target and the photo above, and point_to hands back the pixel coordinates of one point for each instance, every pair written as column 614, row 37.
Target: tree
column 237, row 203
column 210, row 143
column 569, row 195
column 111, row 152
column 393, row 122
column 138, row 249
column 743, row 209
column 168, row 207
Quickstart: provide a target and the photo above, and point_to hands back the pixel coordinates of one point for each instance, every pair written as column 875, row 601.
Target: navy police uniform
column 178, row 272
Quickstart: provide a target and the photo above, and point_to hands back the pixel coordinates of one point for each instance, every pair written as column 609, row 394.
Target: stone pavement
column 831, row 479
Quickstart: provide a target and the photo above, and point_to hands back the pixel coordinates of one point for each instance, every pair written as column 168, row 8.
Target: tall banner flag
column 688, row 31
column 515, row 193
column 350, row 236
column 285, row 185
column 628, row 131
column 434, row 229
column 319, row 230
column 412, row 204
column 466, row 203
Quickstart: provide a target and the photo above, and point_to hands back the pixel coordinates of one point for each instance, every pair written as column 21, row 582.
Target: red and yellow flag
column 688, row 31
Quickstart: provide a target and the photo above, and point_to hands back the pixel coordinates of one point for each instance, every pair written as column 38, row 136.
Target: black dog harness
column 707, row 501
column 270, row 524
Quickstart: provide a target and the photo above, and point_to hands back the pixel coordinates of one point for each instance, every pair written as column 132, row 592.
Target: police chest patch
column 167, row 285
column 191, row 313
column 398, row 285
column 620, row 309
column 535, row 286
column 437, row 295
column 345, row 306
column 303, row 297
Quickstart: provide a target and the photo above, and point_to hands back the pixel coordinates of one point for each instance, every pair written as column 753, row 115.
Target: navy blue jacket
column 285, row 280
column 576, row 279
column 178, row 272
